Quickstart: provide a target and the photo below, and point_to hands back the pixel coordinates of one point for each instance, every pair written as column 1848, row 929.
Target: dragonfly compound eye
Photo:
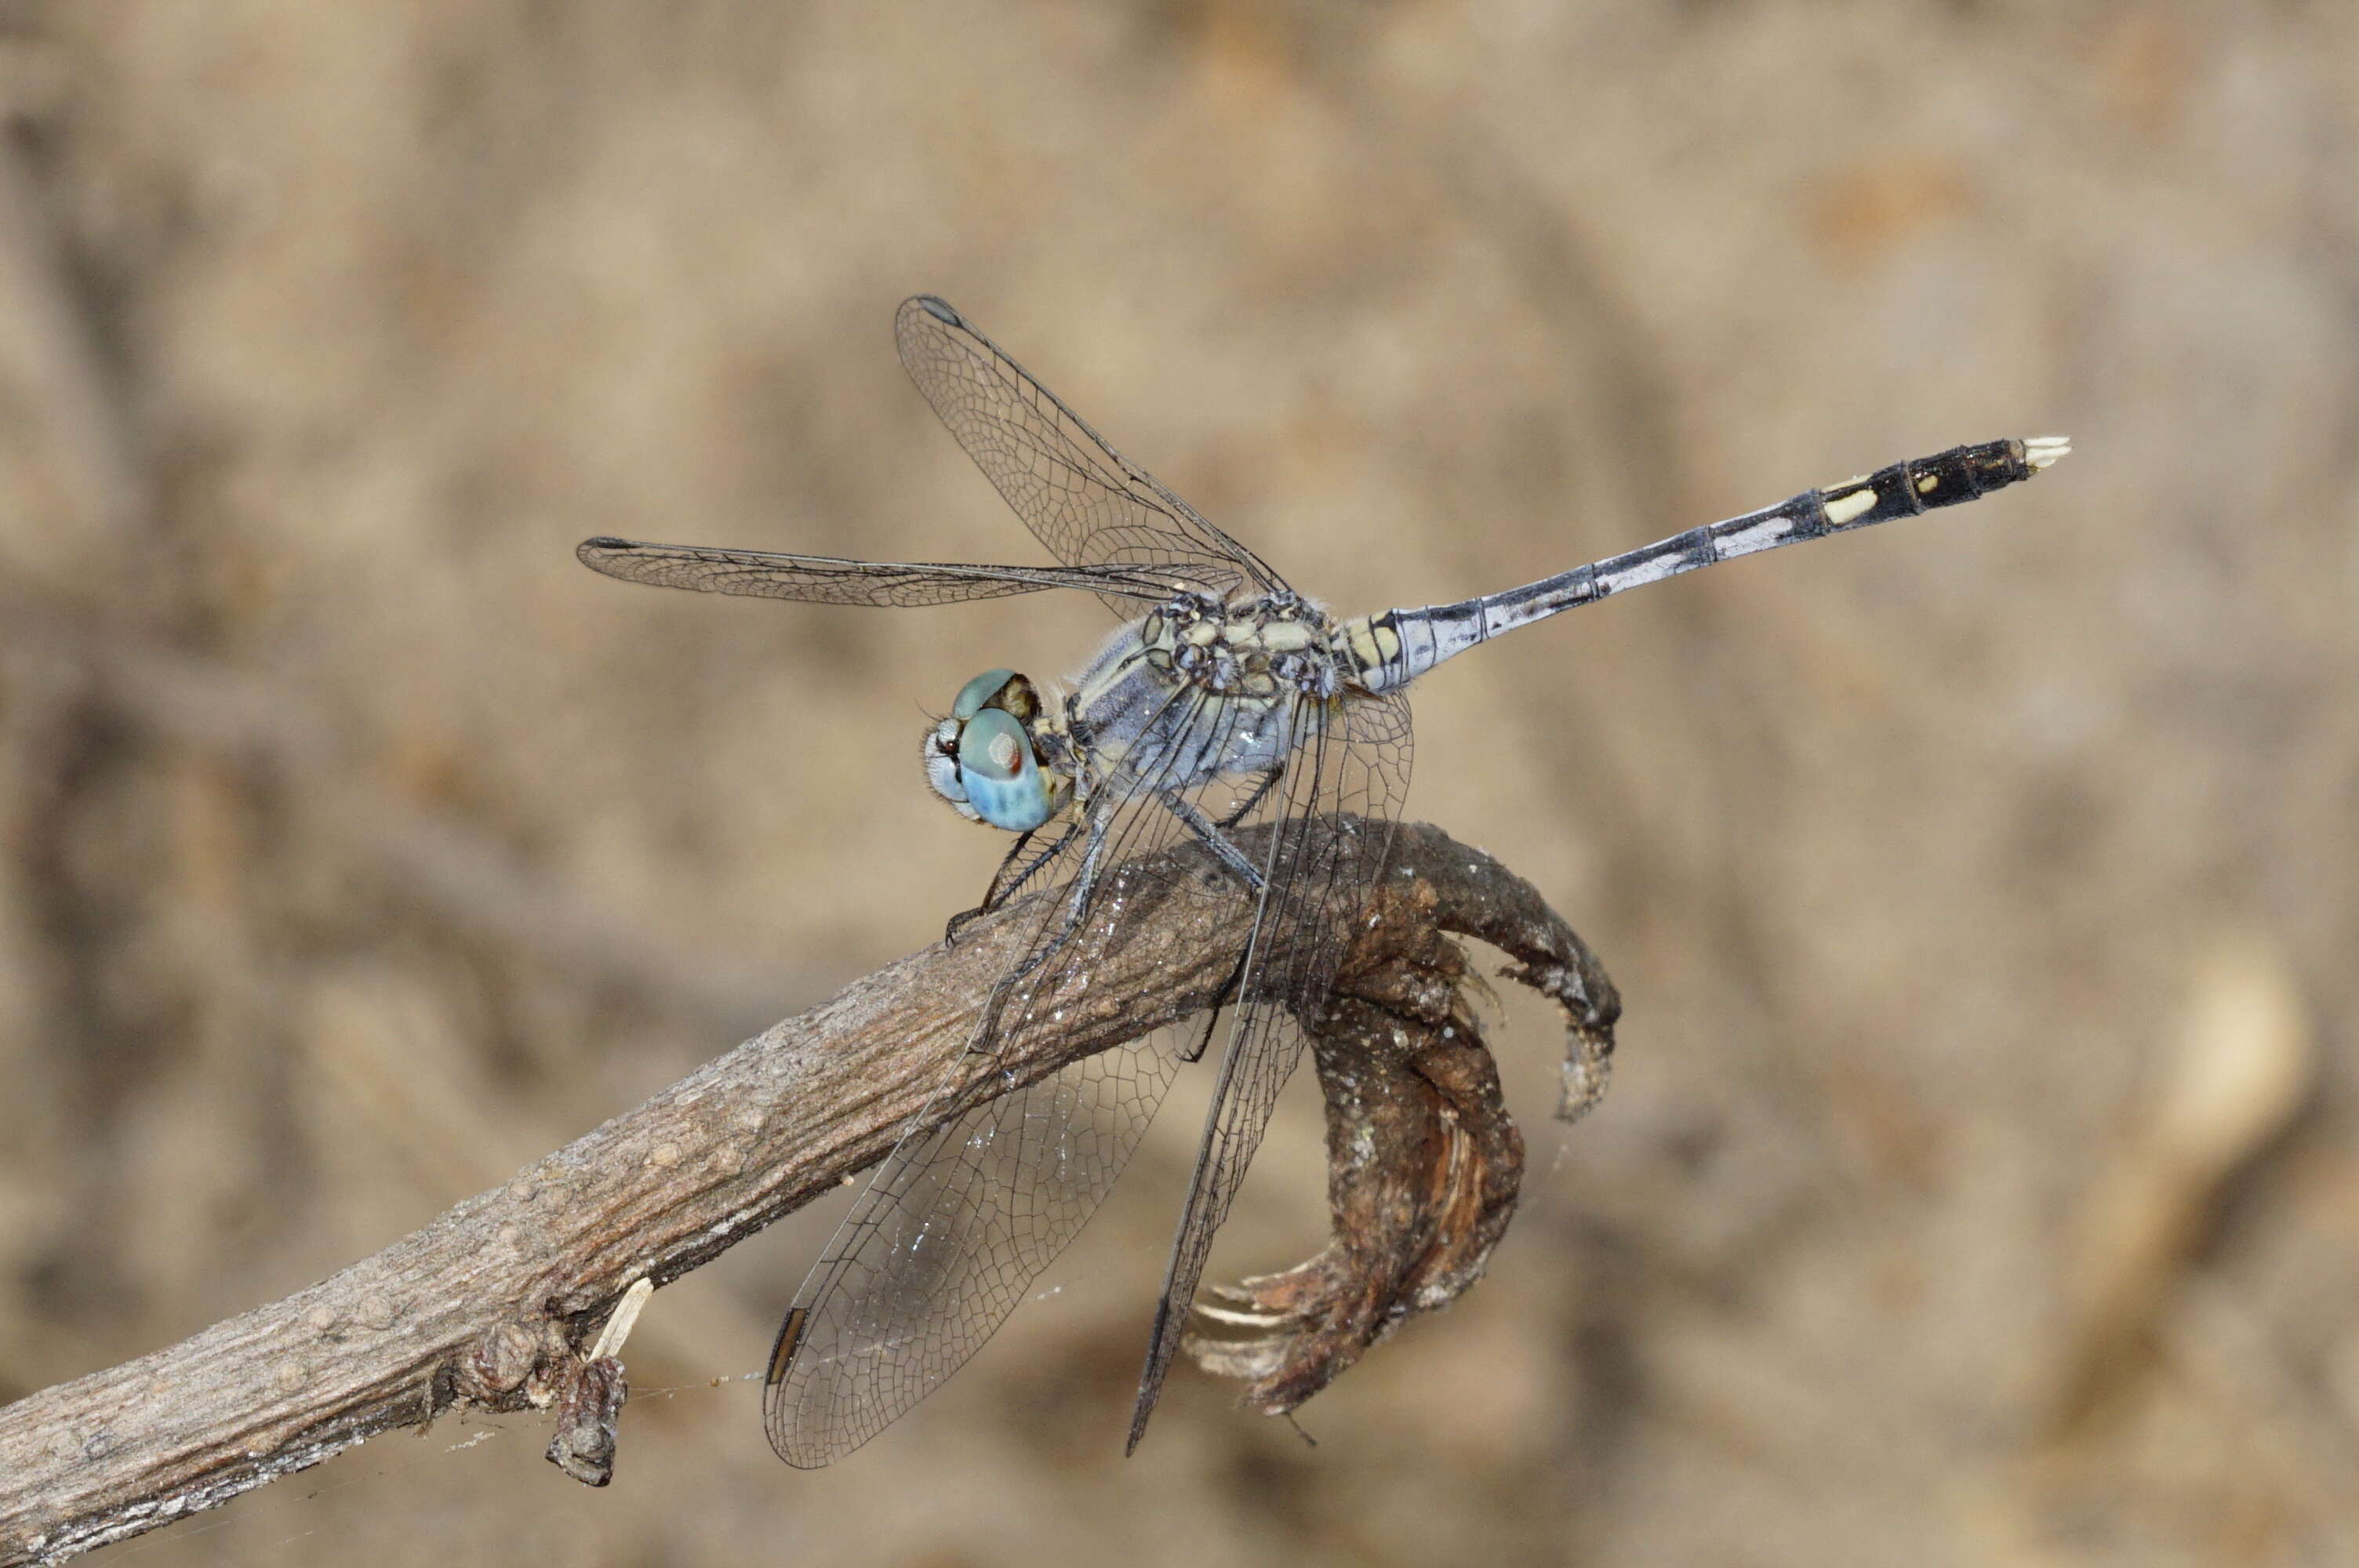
column 997, row 688
column 978, row 691
column 1000, row 775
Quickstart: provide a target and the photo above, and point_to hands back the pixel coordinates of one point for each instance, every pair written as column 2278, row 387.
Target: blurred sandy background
column 1978, row 1185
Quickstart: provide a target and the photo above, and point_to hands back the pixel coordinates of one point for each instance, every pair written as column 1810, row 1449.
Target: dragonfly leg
column 1209, row 834
column 1077, row 904
column 991, row 896
column 1221, row 998
column 1004, row 886
column 1268, row 781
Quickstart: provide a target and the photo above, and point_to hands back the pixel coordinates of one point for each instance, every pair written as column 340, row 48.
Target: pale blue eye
column 978, row 691
column 1001, row 776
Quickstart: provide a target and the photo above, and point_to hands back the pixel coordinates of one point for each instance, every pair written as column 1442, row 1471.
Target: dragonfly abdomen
column 1385, row 652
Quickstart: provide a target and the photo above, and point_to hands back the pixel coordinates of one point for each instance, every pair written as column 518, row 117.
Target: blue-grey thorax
column 1198, row 689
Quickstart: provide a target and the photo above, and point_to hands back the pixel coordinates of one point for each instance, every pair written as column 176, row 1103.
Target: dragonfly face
column 983, row 760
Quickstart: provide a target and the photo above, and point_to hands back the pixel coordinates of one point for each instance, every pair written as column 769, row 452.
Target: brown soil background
column 1978, row 1183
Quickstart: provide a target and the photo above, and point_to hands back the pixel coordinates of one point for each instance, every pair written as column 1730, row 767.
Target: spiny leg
column 1228, row 991
column 1268, row 781
column 1221, row 998
column 1077, row 902
column 991, row 896
column 1003, row 886
column 1209, row 835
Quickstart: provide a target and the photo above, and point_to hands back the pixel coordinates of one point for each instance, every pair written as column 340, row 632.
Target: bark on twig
column 498, row 1303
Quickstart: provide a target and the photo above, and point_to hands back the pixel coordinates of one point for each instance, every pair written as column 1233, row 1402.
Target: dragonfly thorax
column 1260, row 649
column 985, row 760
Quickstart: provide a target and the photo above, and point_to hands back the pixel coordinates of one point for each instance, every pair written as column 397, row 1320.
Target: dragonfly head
column 983, row 760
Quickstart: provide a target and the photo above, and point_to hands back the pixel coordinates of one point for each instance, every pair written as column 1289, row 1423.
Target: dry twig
column 499, row 1303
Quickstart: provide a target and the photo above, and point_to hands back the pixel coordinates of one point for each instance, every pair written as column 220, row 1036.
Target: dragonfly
column 1228, row 711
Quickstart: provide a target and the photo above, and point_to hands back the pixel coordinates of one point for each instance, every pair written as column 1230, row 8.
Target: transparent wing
column 945, row 1241
column 830, row 580
column 962, row 1216
column 1087, row 503
column 1331, row 831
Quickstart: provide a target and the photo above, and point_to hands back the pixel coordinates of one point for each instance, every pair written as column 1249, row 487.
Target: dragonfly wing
column 830, row 580
column 944, row 1242
column 1087, row 503
column 965, row 1213
column 1318, row 872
